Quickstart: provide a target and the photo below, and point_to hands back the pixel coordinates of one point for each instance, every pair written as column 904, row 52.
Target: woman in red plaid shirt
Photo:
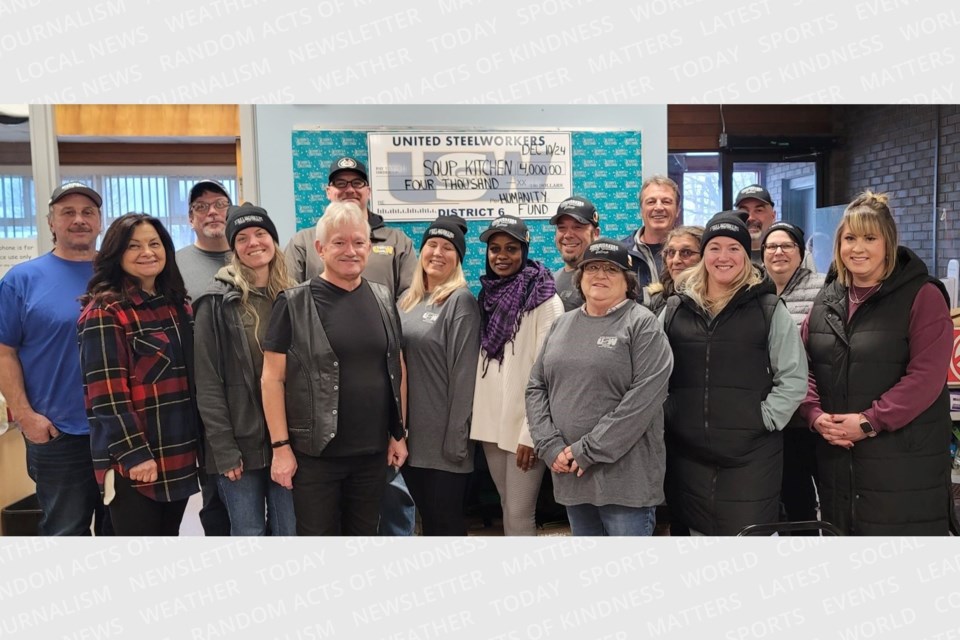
column 136, row 341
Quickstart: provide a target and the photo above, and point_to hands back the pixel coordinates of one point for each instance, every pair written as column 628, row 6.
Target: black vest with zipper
column 898, row 482
column 723, row 466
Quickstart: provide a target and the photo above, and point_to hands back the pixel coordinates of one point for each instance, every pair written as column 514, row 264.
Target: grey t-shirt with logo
column 599, row 386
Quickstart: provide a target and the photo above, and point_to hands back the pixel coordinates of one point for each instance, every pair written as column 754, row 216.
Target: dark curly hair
column 110, row 281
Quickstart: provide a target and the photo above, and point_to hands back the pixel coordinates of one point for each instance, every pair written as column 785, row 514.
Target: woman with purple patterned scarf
column 518, row 304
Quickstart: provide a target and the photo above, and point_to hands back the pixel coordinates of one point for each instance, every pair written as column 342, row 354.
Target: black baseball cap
column 205, row 185
column 608, row 250
column 510, row 225
column 346, row 163
column 753, row 191
column 70, row 188
column 578, row 208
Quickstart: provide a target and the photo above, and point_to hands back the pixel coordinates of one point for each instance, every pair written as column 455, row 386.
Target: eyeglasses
column 202, row 207
column 597, row 267
column 685, row 254
column 786, row 247
column 356, row 183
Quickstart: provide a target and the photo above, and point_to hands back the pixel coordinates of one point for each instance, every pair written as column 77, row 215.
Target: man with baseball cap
column 392, row 263
column 757, row 202
column 578, row 224
column 199, row 263
column 659, row 209
column 40, row 363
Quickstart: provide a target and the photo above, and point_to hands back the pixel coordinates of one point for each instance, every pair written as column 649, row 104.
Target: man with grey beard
column 198, row 263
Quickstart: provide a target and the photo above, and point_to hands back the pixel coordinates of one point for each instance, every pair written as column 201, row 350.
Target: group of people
column 780, row 393
column 341, row 385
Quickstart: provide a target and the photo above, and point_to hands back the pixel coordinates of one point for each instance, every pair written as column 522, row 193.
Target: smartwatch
column 866, row 427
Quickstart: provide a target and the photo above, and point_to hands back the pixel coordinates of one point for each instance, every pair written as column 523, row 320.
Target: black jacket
column 898, row 482
column 313, row 376
column 228, row 388
column 723, row 466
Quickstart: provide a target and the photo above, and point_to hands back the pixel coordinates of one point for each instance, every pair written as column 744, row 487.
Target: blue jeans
column 213, row 513
column 398, row 514
column 611, row 520
column 66, row 486
column 254, row 501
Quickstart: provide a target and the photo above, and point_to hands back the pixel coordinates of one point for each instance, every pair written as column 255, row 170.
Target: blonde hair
column 338, row 215
column 418, row 288
column 868, row 213
column 694, row 281
column 278, row 279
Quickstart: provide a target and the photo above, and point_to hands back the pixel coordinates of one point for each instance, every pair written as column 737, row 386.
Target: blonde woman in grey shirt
column 441, row 328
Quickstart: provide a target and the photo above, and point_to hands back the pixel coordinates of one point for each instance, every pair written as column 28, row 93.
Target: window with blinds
column 17, row 204
column 164, row 195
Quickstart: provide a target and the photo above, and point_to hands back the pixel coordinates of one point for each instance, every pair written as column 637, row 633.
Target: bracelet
column 280, row 443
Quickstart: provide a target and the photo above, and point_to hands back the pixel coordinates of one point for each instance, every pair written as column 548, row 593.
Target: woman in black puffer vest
column 739, row 374
column 879, row 338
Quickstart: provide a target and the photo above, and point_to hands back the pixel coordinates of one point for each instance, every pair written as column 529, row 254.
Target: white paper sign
column 418, row 175
column 14, row 251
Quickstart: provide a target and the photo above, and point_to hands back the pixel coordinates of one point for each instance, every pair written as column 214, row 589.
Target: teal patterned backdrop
column 606, row 169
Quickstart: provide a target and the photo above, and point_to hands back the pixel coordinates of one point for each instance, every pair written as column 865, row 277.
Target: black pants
column 134, row 514
column 439, row 497
column 798, row 493
column 338, row 496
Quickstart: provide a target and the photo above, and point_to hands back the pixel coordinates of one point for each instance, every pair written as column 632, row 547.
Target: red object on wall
column 953, row 372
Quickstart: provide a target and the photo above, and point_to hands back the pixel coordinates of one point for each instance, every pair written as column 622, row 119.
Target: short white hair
column 338, row 215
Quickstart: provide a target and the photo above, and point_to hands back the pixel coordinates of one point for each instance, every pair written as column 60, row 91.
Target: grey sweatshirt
column 441, row 346
column 198, row 267
column 599, row 385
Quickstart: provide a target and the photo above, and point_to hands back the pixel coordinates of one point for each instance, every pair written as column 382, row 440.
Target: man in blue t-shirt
column 40, row 362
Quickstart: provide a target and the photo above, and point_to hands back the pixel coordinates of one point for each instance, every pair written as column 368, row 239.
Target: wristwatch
column 866, row 427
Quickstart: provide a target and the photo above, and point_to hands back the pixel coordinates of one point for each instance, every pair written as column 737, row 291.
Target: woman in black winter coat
column 739, row 373
column 879, row 338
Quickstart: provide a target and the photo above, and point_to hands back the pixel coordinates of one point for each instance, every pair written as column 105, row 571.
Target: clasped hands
column 841, row 429
column 565, row 463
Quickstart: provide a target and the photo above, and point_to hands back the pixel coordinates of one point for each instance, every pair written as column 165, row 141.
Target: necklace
column 859, row 299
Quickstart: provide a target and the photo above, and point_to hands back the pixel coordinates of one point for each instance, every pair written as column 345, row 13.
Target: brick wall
column 775, row 174
column 891, row 149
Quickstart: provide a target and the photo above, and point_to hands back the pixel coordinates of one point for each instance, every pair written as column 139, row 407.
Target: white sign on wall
column 14, row 251
column 419, row 175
